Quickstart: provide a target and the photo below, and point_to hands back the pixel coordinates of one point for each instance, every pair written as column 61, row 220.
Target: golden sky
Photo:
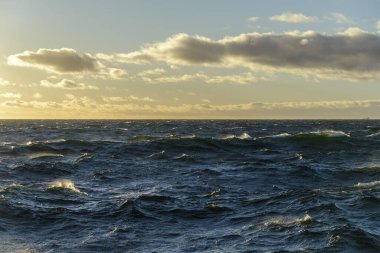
column 190, row 59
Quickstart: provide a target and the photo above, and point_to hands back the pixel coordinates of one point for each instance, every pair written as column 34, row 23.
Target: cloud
column 378, row 25
column 115, row 73
column 290, row 17
column 126, row 99
column 120, row 106
column 253, row 19
column 352, row 54
column 37, row 95
column 341, row 18
column 152, row 72
column 10, row 95
column 68, row 85
column 4, row 82
column 170, row 79
column 245, row 78
column 64, row 60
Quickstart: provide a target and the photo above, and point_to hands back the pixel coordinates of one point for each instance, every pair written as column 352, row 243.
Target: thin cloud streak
column 289, row 17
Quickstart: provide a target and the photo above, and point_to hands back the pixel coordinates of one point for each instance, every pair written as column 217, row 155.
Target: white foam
column 65, row 184
column 44, row 154
column 243, row 136
column 368, row 185
column 282, row 222
column 329, row 133
column 374, row 135
column 282, row 135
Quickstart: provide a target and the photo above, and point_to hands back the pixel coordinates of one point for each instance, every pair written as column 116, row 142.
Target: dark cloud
column 57, row 60
column 353, row 54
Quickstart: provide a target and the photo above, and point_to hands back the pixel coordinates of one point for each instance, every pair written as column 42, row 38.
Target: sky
column 177, row 59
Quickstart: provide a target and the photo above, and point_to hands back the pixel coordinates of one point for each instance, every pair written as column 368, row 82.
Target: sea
column 189, row 186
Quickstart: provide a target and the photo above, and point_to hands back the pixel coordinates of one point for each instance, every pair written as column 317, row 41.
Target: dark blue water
column 190, row 186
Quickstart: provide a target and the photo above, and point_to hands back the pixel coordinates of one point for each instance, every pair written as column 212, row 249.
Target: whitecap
column 65, row 184
column 283, row 222
column 244, row 136
column 161, row 154
column 374, row 135
column 329, row 133
column 368, row 185
column 282, row 135
column 44, row 155
column 228, row 136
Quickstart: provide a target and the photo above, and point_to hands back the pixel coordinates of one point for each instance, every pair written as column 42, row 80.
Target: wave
column 277, row 223
column 243, row 136
column 374, row 135
column 64, row 185
column 368, row 184
column 44, row 155
column 184, row 157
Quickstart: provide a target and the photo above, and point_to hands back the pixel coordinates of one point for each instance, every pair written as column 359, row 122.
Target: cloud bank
column 64, row 60
column 353, row 54
column 68, row 85
column 119, row 106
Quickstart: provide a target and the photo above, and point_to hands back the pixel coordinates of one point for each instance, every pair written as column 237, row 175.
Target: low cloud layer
column 68, row 85
column 64, row 60
column 353, row 54
column 119, row 106
column 10, row 95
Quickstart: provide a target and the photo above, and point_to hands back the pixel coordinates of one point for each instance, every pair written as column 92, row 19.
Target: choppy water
column 190, row 186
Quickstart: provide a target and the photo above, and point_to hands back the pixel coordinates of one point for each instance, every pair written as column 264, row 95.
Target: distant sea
column 190, row 186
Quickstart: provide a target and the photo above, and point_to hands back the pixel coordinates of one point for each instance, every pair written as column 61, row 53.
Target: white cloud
column 341, row 18
column 119, row 106
column 10, row 95
column 67, row 84
column 290, row 17
column 170, row 79
column 245, row 78
column 4, row 82
column 351, row 55
column 378, row 25
column 63, row 60
column 115, row 73
column 110, row 99
column 253, row 19
column 37, row 95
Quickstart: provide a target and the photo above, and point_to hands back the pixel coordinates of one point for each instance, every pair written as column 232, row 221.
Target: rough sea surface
column 190, row 186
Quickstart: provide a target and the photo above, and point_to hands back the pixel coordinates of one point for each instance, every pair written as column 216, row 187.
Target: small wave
column 159, row 155
column 282, row 135
column 326, row 133
column 44, row 155
column 184, row 157
column 143, row 138
column 243, row 136
column 281, row 222
column 10, row 187
column 377, row 134
column 65, row 184
column 368, row 185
